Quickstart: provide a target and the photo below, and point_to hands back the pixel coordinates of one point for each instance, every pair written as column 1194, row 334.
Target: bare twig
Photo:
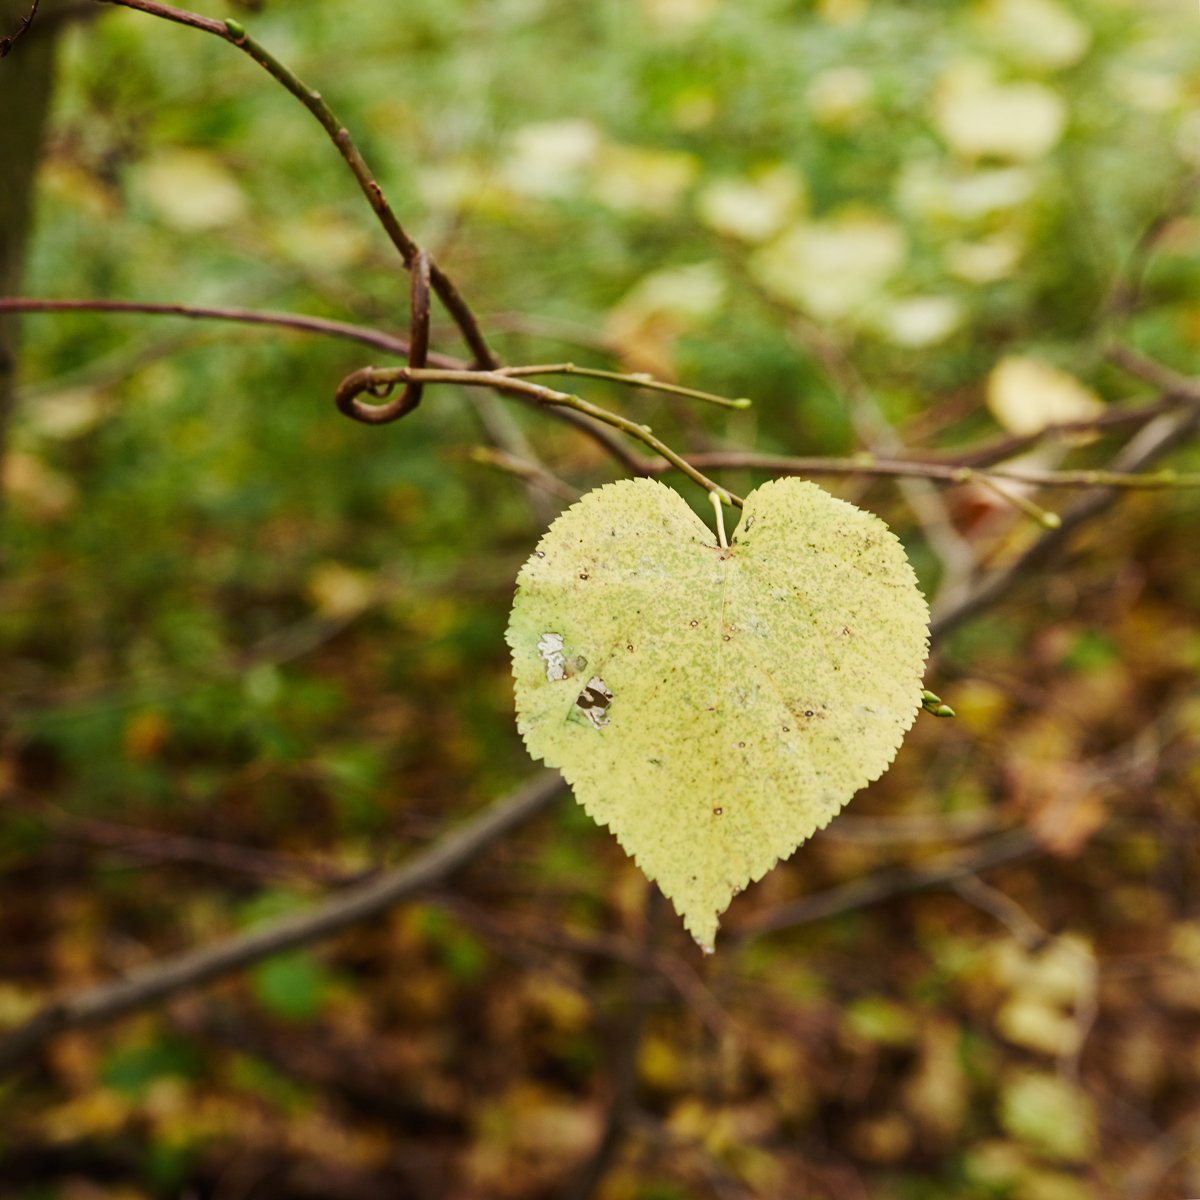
column 874, row 431
column 866, row 464
column 938, row 467
column 638, row 379
column 1125, row 295
column 1002, row 908
column 1171, row 383
column 443, row 286
column 10, row 40
column 246, row 316
column 911, row 827
column 193, row 968
column 522, row 468
column 1155, row 440
column 1011, row 846
column 156, row 846
column 1000, row 448
column 320, row 325
column 371, row 378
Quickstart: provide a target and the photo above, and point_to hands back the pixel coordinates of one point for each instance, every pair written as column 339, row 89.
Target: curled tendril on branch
column 365, row 382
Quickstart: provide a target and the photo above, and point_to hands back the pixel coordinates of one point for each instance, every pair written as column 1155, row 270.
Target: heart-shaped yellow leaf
column 713, row 706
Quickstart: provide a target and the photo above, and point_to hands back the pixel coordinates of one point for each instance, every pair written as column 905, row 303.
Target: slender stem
column 1154, row 373
column 779, row 464
column 1155, row 440
column 443, row 286
column 1125, row 296
column 1087, row 478
column 9, row 40
column 246, row 316
column 522, row 468
column 1047, row 520
column 180, row 16
column 357, row 333
column 1010, row 846
column 645, row 436
column 944, row 469
column 636, row 379
column 156, row 846
column 502, row 381
column 987, row 453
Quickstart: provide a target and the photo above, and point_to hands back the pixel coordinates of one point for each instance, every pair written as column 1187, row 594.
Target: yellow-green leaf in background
column 715, row 705
column 832, row 268
column 1026, row 396
column 982, row 118
column 1050, row 1114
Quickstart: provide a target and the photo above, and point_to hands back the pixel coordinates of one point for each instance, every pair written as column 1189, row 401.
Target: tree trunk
column 26, row 79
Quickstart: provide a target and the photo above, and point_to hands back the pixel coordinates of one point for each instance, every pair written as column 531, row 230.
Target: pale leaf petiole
column 715, row 497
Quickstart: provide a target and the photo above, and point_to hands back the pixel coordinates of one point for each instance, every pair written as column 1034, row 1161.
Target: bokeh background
column 251, row 649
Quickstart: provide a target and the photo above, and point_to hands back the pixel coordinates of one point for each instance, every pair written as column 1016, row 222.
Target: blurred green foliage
column 234, row 618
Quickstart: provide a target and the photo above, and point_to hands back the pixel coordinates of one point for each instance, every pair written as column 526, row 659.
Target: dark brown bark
column 26, row 85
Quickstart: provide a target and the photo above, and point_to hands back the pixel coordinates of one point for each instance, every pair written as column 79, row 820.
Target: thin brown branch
column 941, row 468
column 1125, row 296
column 245, row 316
column 443, row 286
column 1152, row 443
column 779, row 464
column 522, row 468
column 180, row 16
column 875, row 433
column 632, row 462
column 8, row 41
column 372, row 379
column 1170, row 382
column 1007, row 447
column 193, row 968
column 152, row 845
column 1011, row 846
column 638, row 379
